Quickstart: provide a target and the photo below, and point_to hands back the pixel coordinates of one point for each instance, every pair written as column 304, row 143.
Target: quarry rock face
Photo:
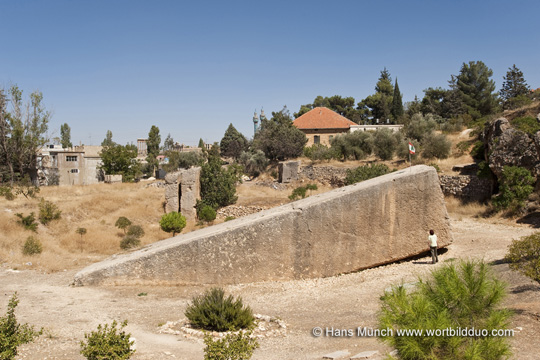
column 288, row 171
column 355, row 227
column 511, row 147
column 182, row 190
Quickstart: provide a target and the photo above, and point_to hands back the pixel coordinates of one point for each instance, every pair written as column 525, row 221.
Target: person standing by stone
column 432, row 240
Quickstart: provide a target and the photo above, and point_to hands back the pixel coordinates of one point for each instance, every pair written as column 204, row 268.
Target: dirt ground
column 341, row 302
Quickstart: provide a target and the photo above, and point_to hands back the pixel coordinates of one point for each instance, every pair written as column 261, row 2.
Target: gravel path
column 342, row 302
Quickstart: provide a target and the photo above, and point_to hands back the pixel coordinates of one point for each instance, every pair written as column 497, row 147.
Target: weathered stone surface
column 467, row 187
column 365, row 355
column 512, row 147
column 288, row 171
column 329, row 175
column 359, row 226
column 182, row 191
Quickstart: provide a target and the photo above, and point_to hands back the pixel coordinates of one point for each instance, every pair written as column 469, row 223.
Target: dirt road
column 341, row 302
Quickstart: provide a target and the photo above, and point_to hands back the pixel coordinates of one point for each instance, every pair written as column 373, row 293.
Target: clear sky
column 193, row 67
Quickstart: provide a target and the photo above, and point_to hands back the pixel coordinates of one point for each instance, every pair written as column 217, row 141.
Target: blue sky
column 193, row 67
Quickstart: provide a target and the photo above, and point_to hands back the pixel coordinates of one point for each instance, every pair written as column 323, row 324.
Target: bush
column 254, row 163
column 356, row 145
column 477, row 151
column 13, row 334
column 108, row 342
column 437, row 146
column 206, row 213
column 385, row 144
column 301, row 191
column 464, row 296
column 28, row 222
column 213, row 312
column 515, row 186
column 136, row 231
column 122, row 223
column 183, row 160
column 32, row 246
column 420, row 128
column 462, row 147
column 321, row 152
column 526, row 124
column 172, row 222
column 365, row 172
column 232, row 347
column 48, row 212
column 524, row 256
column 129, row 241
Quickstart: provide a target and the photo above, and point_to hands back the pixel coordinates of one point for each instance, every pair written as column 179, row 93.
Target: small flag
column 411, row 149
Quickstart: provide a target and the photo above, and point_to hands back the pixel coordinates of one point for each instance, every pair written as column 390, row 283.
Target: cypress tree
column 397, row 103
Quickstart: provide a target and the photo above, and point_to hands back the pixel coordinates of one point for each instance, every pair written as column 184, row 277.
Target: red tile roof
column 322, row 118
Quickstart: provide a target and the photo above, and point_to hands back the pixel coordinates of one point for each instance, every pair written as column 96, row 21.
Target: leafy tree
column 233, row 143
column 13, row 334
column 476, row 89
column 218, row 185
column 168, row 144
column 385, row 144
column 278, row 138
column 122, row 223
column 462, row 296
column 183, row 160
column 81, row 231
column 22, row 134
column 524, row 256
column 420, row 127
column 120, row 160
column 514, row 86
column 344, row 106
column 397, row 103
column 357, row 145
column 108, row 141
column 254, row 163
column 515, row 186
column 65, row 134
column 152, row 146
column 108, row 342
column 436, row 146
column 172, row 222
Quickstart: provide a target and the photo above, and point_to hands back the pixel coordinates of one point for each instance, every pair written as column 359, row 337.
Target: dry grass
column 458, row 208
column 94, row 207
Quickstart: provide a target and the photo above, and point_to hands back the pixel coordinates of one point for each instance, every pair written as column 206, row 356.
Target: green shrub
column 462, row 296
column 436, row 146
column 229, row 218
column 524, row 256
column 515, row 186
column 48, row 212
column 254, row 163
column 526, row 124
column 28, row 222
column 108, row 342
column 32, row 246
column 206, row 213
column 129, row 241
column 13, row 334
column 356, row 145
column 420, row 127
column 462, row 147
column 122, row 223
column 385, row 144
column 232, row 347
column 484, row 171
column 172, row 222
column 218, row 185
column 213, row 312
column 136, row 231
column 365, row 172
column 301, row 191
column 436, row 167
column 321, row 152
column 477, row 151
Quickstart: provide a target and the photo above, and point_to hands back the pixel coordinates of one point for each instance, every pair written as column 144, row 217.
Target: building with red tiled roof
column 321, row 124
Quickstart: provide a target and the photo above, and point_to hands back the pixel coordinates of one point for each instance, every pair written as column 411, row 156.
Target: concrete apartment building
column 72, row 166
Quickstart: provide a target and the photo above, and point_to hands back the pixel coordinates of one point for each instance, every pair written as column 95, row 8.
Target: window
column 74, row 171
column 71, row 158
column 316, row 139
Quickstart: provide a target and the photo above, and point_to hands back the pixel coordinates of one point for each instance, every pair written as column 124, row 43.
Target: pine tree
column 233, row 143
column 397, row 103
column 476, row 89
column 514, row 85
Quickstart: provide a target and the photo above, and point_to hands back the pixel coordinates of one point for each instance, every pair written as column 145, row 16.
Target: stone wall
column 354, row 227
column 466, row 187
column 329, row 175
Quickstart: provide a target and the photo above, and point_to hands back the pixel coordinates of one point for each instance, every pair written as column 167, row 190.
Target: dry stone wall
column 467, row 187
column 354, row 227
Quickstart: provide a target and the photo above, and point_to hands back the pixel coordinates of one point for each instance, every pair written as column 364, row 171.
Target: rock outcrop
column 374, row 222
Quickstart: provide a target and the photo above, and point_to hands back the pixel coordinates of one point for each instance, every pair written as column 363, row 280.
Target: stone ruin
column 288, row 171
column 355, row 227
column 182, row 190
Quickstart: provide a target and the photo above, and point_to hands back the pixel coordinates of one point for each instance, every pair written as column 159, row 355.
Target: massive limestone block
column 288, row 171
column 355, row 227
column 182, row 190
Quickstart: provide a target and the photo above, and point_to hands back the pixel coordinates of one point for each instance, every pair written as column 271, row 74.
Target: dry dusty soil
column 341, row 302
